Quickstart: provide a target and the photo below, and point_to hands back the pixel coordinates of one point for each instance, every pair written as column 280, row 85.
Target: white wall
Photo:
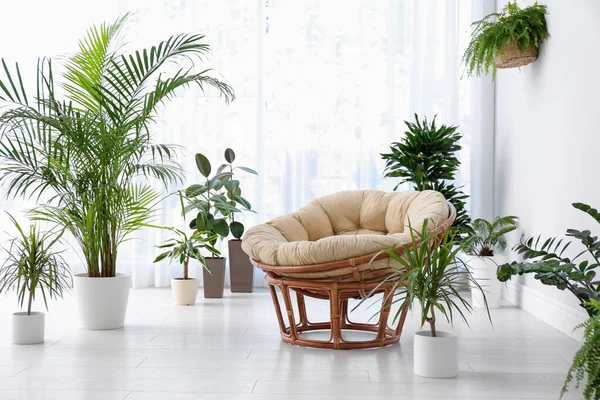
column 548, row 144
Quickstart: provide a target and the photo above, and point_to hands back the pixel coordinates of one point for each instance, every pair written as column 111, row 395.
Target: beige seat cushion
column 344, row 225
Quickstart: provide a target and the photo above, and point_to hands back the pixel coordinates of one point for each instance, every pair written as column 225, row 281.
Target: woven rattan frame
column 511, row 56
column 338, row 291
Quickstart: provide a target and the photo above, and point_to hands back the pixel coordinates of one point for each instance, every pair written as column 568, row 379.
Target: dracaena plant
column 216, row 200
column 34, row 266
column 487, row 237
column 234, row 193
column 184, row 247
column 80, row 141
column 427, row 158
column 547, row 260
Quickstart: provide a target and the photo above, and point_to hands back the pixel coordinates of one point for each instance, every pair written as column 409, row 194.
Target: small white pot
column 28, row 329
column 436, row 357
column 102, row 302
column 484, row 270
column 184, row 291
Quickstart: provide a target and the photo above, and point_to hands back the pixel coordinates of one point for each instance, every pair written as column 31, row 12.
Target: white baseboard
column 559, row 315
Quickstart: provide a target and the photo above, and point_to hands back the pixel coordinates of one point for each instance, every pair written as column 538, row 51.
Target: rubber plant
column 547, row 260
column 34, row 266
column 426, row 157
column 82, row 139
column 526, row 27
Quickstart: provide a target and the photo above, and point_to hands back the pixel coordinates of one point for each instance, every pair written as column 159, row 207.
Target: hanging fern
column 525, row 26
column 587, row 359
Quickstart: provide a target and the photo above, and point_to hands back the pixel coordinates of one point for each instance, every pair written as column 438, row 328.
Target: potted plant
column 32, row 267
column 506, row 40
column 546, row 259
column 82, row 155
column 182, row 248
column 587, row 359
column 481, row 246
column 426, row 158
column 213, row 208
column 241, row 270
column 430, row 273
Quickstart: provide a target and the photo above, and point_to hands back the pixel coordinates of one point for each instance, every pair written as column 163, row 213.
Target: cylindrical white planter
column 28, row 329
column 484, row 270
column 436, row 357
column 102, row 302
column 161, row 275
column 184, row 291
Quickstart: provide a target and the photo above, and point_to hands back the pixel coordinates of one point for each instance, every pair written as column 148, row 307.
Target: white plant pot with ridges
column 184, row 291
column 28, row 329
column 483, row 270
column 436, row 357
column 102, row 302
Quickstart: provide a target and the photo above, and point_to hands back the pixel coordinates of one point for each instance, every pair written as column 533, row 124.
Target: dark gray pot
column 241, row 270
column 215, row 283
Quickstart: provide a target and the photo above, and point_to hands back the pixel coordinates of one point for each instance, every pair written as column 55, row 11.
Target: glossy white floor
column 230, row 349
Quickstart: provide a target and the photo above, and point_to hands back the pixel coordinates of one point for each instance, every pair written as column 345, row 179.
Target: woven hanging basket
column 511, row 56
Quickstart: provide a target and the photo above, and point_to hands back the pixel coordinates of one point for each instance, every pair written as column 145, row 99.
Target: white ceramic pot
column 184, row 291
column 484, row 270
column 102, row 302
column 436, row 357
column 28, row 329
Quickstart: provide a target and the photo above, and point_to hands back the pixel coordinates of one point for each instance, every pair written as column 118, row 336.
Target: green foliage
column 551, row 267
column 82, row 156
column 426, row 157
column 434, row 276
column 218, row 199
column 527, row 27
column 587, row 360
column 34, row 265
column 488, row 236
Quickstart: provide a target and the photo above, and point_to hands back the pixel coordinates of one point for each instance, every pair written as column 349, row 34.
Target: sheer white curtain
column 322, row 87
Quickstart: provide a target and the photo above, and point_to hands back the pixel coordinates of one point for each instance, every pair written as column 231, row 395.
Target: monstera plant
column 81, row 139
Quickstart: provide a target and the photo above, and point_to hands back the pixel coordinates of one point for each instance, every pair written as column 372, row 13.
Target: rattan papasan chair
column 326, row 250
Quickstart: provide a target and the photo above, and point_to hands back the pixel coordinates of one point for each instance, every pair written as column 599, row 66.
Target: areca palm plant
column 88, row 156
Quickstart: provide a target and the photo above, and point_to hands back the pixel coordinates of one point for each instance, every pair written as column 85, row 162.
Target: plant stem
column 185, row 268
column 30, row 302
column 431, row 321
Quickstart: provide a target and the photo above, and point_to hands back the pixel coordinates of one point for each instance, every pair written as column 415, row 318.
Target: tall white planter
column 436, row 357
column 102, row 302
column 484, row 270
column 28, row 329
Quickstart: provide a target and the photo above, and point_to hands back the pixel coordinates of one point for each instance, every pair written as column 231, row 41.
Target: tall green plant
column 527, row 27
column 586, row 364
column 426, row 157
column 547, row 261
column 487, row 237
column 82, row 155
column 33, row 266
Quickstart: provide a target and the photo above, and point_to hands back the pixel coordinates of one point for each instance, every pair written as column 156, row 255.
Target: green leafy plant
column 82, row 155
column 216, row 200
column 547, row 261
column 587, row 360
column 426, row 157
column 527, row 27
column 234, row 193
column 431, row 273
column 488, row 236
column 33, row 266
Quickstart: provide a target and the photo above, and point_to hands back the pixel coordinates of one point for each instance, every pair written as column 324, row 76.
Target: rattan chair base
column 338, row 295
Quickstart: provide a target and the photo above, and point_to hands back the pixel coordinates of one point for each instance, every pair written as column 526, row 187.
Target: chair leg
column 402, row 318
column 336, row 329
column 302, row 310
column 386, row 304
column 344, row 318
column 282, row 326
column 290, row 311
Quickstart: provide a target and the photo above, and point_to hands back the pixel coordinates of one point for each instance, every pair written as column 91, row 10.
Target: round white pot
column 102, row 302
column 184, row 291
column 28, row 329
column 436, row 357
column 484, row 270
